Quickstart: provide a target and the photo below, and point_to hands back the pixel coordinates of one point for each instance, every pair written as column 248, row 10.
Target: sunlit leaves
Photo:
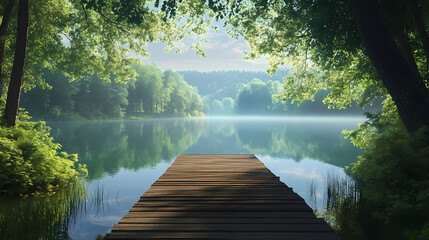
column 79, row 37
column 154, row 92
column 31, row 163
column 317, row 39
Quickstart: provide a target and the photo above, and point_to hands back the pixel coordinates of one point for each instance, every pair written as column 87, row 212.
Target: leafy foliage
column 155, row 92
column 318, row 38
column 221, row 84
column 87, row 98
column 87, row 37
column 392, row 175
column 254, row 97
column 30, row 162
column 152, row 92
column 258, row 97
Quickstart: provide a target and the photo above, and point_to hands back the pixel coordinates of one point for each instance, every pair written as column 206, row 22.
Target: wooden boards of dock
column 220, row 197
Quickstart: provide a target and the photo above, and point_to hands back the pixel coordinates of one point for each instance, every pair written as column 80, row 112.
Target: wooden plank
column 216, row 227
column 222, row 184
column 182, row 178
column 260, row 206
column 219, row 167
column 212, row 156
column 220, row 197
column 205, row 220
column 194, row 204
column 230, row 196
column 295, row 208
column 227, row 235
column 220, row 202
column 221, row 214
column 239, row 188
column 219, row 192
column 220, row 175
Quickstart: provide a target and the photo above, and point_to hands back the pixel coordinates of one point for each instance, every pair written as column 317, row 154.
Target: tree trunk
column 404, row 41
column 407, row 90
column 3, row 28
column 14, row 91
column 422, row 32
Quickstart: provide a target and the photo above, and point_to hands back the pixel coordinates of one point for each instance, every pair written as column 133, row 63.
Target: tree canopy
column 151, row 93
column 319, row 38
column 86, row 37
column 357, row 49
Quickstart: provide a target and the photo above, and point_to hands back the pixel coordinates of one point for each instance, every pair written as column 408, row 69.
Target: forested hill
column 151, row 93
column 251, row 93
column 221, row 84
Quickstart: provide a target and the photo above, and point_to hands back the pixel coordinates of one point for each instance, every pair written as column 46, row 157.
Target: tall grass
column 341, row 193
column 342, row 197
column 42, row 217
column 98, row 197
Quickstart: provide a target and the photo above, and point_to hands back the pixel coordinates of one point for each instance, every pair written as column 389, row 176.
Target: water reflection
column 42, row 217
column 107, row 146
column 287, row 138
column 126, row 157
column 299, row 140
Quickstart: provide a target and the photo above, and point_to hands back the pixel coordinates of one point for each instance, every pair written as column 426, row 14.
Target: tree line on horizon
column 169, row 94
column 152, row 93
column 361, row 50
column 258, row 97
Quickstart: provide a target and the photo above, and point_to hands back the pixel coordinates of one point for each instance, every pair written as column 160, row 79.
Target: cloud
column 222, row 53
column 302, row 172
column 213, row 35
column 104, row 220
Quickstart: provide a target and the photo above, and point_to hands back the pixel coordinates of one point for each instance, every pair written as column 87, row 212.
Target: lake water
column 125, row 157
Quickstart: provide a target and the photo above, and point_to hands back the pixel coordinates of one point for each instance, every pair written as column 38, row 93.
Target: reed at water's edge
column 42, row 217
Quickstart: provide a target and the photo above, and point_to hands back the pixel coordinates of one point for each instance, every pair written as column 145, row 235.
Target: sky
column 222, row 53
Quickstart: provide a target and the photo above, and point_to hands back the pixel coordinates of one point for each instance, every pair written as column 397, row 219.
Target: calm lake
column 125, row 157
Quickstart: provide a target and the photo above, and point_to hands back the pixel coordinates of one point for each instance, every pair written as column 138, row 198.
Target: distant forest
column 251, row 93
column 221, row 84
column 152, row 93
column 169, row 94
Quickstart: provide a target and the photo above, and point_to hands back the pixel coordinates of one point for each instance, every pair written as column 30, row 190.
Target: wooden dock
column 220, row 197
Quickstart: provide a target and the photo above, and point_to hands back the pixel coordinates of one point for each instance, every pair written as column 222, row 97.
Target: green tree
column 155, row 92
column 98, row 99
column 228, row 104
column 254, row 97
column 17, row 75
column 354, row 48
column 8, row 9
column 79, row 37
column 217, row 107
column 146, row 91
column 322, row 40
column 196, row 106
column 40, row 101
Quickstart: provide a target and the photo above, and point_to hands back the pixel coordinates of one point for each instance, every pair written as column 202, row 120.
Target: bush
column 392, row 175
column 30, row 163
column 196, row 113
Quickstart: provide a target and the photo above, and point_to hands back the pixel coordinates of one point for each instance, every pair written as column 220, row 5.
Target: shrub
column 31, row 164
column 392, row 175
